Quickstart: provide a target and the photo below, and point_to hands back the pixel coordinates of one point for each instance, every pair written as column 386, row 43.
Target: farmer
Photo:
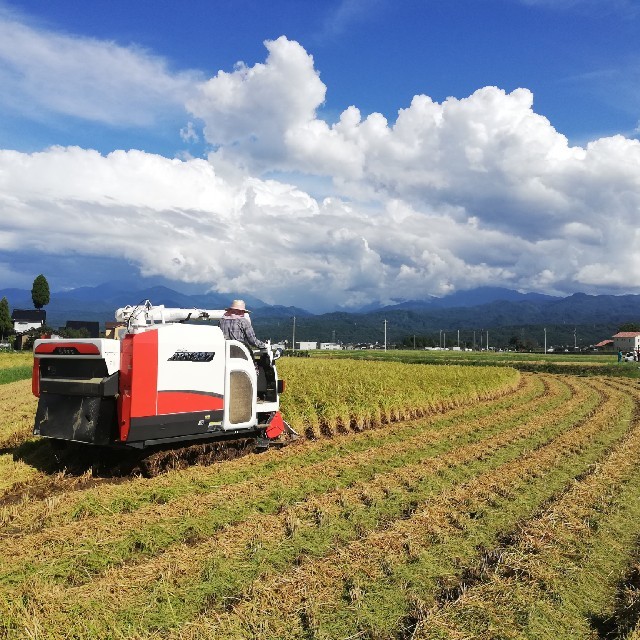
column 236, row 326
column 620, row 355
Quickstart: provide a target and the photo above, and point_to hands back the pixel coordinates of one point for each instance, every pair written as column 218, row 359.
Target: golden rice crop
column 15, row 359
column 17, row 413
column 334, row 394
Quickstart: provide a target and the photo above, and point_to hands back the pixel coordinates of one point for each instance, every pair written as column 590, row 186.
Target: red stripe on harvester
column 144, row 374
column 124, row 386
column 138, row 379
column 187, row 401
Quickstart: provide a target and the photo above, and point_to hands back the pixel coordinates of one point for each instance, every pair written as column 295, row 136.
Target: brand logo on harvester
column 193, row 356
column 65, row 351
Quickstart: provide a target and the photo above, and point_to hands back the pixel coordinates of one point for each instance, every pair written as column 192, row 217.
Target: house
column 626, row 341
column 306, row 346
column 114, row 330
column 25, row 319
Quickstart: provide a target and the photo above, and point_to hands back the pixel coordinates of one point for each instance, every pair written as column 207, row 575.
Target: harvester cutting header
column 164, row 381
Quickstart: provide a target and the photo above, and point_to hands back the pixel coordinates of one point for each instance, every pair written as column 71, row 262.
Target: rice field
column 422, row 502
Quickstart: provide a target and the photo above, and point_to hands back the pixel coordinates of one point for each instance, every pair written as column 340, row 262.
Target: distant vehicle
column 630, row 357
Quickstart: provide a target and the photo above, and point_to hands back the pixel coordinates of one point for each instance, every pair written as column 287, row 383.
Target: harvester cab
column 164, row 382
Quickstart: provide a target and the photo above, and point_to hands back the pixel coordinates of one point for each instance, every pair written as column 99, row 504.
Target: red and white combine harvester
column 163, row 382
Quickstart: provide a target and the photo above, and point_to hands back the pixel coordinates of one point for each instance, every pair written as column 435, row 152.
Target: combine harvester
column 165, row 382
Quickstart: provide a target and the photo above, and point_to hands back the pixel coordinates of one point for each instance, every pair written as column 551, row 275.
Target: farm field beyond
column 421, row 502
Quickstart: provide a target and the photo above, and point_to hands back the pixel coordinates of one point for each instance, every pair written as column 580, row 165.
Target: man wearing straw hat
column 236, row 326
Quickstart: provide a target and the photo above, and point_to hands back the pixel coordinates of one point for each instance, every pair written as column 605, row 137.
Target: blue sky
column 517, row 164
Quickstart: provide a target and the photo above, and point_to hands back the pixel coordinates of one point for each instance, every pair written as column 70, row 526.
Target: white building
column 626, row 341
column 306, row 346
column 330, row 345
column 25, row 319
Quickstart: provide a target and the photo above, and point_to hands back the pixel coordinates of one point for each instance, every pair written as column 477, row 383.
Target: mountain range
column 502, row 312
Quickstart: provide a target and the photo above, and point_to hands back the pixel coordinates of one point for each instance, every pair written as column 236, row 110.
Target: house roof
column 29, row 315
column 627, row 334
column 604, row 343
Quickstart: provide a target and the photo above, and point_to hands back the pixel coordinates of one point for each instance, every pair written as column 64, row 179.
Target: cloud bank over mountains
column 294, row 209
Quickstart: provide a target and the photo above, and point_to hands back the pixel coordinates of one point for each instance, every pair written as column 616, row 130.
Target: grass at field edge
column 13, row 374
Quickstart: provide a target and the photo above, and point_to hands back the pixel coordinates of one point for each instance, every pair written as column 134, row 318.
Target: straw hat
column 238, row 305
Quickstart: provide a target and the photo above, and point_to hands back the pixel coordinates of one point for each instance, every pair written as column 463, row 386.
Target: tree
column 63, row 332
column 5, row 318
column 629, row 326
column 40, row 292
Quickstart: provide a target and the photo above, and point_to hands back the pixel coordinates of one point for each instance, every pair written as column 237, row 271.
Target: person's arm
column 250, row 336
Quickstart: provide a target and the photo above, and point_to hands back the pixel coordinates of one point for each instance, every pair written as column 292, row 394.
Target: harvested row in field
column 171, row 518
column 59, row 471
column 194, row 482
column 623, row 620
column 357, row 506
column 564, row 574
column 356, row 510
column 366, row 586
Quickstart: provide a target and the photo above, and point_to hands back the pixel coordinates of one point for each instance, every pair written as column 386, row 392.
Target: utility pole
column 385, row 335
column 575, row 340
column 440, row 343
column 474, row 339
column 294, row 333
column 545, row 339
column 458, row 338
column 414, row 341
column 487, row 340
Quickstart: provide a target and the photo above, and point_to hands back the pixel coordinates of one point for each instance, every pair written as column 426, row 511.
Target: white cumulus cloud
column 472, row 191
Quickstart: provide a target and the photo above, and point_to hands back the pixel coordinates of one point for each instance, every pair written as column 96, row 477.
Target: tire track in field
column 148, row 572
column 424, row 530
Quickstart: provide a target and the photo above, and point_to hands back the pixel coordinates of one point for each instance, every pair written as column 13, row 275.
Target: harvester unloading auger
column 164, row 382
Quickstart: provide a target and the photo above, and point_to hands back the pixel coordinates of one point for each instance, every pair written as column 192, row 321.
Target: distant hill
column 501, row 311
column 467, row 298
column 100, row 302
column 592, row 318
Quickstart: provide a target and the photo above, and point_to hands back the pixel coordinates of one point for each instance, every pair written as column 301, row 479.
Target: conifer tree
column 5, row 318
column 40, row 292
